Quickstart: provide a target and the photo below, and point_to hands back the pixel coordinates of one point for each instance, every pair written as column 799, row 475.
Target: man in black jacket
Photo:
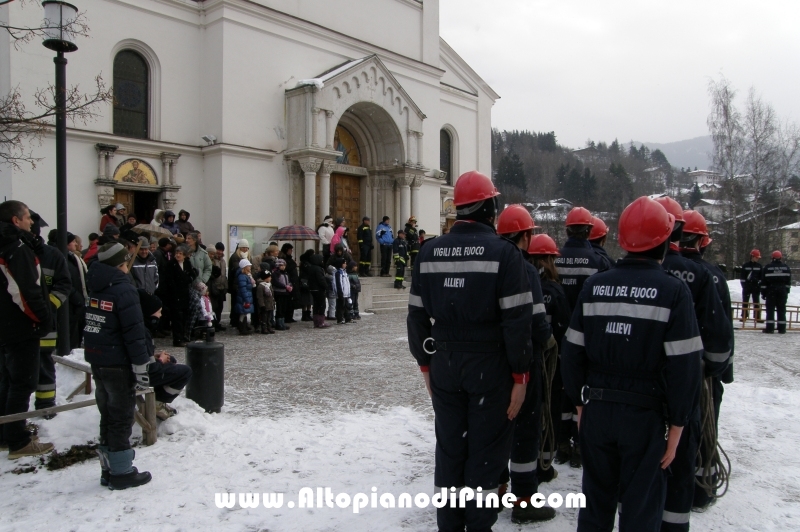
column 116, row 347
column 751, row 284
column 164, row 253
column 27, row 316
column 79, row 295
column 776, row 282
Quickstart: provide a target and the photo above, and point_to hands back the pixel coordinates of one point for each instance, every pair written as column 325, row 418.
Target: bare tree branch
column 20, row 127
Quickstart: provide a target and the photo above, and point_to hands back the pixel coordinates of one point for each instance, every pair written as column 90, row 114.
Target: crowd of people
column 136, row 281
column 641, row 353
column 113, row 313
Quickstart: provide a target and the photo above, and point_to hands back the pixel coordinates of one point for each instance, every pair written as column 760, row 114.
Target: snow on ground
column 301, row 413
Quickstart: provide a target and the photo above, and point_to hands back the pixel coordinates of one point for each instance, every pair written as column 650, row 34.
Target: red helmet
column 755, row 253
column 542, row 244
column 672, row 206
column 599, row 228
column 706, row 241
column 472, row 187
column 579, row 216
column 777, row 255
column 513, row 219
column 695, row 223
column 643, row 225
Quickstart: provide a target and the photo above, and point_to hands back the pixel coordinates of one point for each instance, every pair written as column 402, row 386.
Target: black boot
column 530, row 514
column 563, row 453
column 306, row 316
column 122, row 461
column 129, row 480
column 575, row 460
column 546, row 475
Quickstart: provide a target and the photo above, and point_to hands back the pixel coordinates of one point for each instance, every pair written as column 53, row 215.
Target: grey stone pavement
column 362, row 366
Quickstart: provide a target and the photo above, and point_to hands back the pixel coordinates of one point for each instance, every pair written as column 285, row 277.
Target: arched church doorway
column 369, row 145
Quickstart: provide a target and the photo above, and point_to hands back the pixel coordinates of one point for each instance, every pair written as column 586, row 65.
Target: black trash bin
column 207, row 360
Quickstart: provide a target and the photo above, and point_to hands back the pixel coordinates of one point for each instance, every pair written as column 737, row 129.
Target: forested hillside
column 532, row 167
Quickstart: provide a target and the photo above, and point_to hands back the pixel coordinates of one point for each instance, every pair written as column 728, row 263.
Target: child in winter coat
column 244, row 295
column 343, row 301
column 200, row 313
column 355, row 287
column 266, row 302
column 282, row 290
column 331, row 292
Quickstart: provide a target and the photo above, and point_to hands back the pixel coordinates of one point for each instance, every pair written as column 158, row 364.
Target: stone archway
column 363, row 96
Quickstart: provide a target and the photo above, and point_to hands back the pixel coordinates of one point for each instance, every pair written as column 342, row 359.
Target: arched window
column 446, row 154
column 131, row 95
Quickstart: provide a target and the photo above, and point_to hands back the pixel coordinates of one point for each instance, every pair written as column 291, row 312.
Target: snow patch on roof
column 320, row 80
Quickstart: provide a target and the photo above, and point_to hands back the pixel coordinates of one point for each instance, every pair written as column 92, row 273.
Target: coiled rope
column 715, row 471
column 548, row 440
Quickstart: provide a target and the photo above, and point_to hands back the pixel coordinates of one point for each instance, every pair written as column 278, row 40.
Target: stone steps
column 386, row 299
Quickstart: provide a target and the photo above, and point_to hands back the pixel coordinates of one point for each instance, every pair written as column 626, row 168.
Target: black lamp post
column 57, row 15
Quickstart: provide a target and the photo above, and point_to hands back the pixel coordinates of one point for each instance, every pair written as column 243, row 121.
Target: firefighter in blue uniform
column 721, row 282
column 717, row 335
column 365, row 246
column 703, row 499
column 597, row 238
column 776, row 280
column 515, row 223
column 750, row 278
column 476, row 355
column 400, row 254
column 542, row 253
column 577, row 262
column 632, row 360
column 59, row 282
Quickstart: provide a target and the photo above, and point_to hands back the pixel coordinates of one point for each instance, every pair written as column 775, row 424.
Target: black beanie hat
column 150, row 303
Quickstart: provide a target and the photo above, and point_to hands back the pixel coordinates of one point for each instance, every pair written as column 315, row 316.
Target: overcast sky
column 626, row 69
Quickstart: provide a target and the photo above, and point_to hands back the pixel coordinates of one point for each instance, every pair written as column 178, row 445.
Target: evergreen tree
column 696, row 195
column 511, row 172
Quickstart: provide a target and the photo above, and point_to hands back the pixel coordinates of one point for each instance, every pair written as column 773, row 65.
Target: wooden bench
column 145, row 414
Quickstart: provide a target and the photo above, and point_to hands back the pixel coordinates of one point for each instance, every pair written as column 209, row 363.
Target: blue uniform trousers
column 471, row 394
column 622, row 446
column 680, row 482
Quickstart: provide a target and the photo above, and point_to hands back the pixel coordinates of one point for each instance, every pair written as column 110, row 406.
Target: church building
column 256, row 114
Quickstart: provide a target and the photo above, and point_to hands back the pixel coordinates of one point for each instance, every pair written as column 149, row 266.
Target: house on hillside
column 712, row 208
column 787, row 240
column 705, row 177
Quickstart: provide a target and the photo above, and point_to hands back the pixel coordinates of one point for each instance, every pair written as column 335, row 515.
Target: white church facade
column 255, row 114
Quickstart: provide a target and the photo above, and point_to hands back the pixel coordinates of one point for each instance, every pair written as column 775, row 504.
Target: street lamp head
column 57, row 16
